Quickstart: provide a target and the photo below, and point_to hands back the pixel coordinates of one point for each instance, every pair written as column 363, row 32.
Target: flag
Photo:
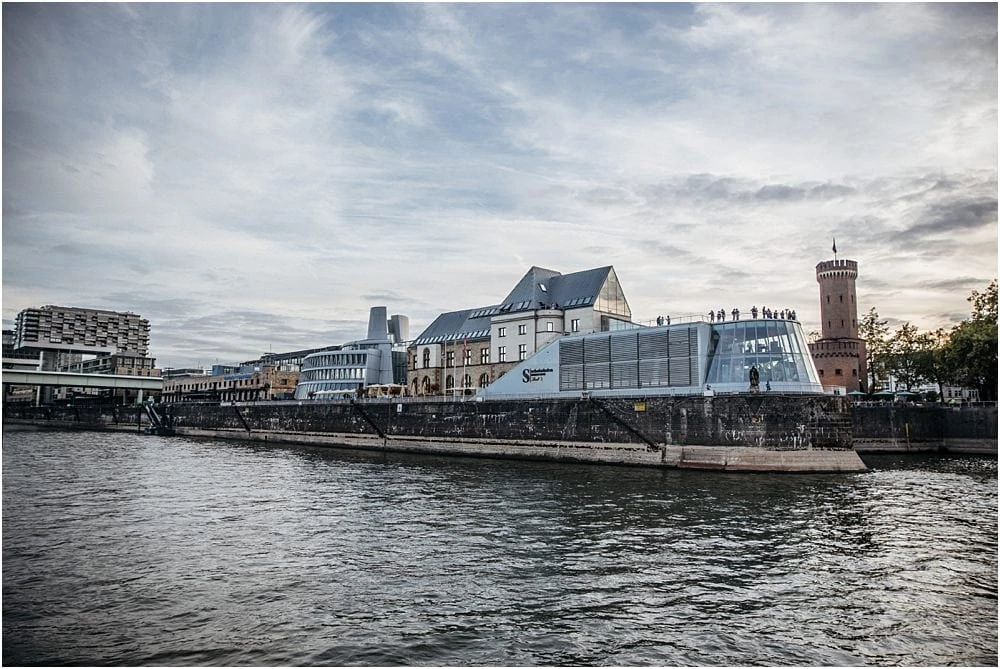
column 834, row 244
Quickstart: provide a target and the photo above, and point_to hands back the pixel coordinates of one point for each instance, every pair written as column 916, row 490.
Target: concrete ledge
column 731, row 458
column 746, row 459
column 956, row 446
column 720, row 458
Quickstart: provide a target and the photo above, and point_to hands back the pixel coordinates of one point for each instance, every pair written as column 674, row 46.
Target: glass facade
column 777, row 348
column 611, row 299
column 335, row 372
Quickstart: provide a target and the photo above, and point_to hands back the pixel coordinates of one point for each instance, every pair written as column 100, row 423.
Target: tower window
column 841, row 299
column 828, row 299
column 838, row 372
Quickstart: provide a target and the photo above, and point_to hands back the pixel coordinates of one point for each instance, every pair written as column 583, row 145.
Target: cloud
column 283, row 167
column 946, row 218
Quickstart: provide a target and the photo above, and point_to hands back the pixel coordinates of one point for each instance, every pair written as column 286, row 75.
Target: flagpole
column 835, row 249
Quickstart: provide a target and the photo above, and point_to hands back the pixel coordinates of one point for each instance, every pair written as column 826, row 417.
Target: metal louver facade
column 642, row 358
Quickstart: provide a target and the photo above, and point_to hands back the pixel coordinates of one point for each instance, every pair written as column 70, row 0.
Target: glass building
column 679, row 359
column 776, row 348
column 337, row 372
column 380, row 359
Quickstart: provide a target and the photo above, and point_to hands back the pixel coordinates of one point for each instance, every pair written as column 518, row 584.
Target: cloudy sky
column 255, row 177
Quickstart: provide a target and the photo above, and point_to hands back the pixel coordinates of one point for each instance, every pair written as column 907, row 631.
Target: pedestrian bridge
column 78, row 380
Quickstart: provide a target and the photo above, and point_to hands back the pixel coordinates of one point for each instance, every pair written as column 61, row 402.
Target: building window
column 484, row 380
column 522, row 351
column 821, row 372
column 427, row 358
column 841, row 299
column 467, row 358
column 522, row 329
column 550, row 326
column 828, row 299
column 502, row 354
column 854, row 373
column 451, row 359
column 838, row 372
column 574, row 325
column 502, row 332
column 467, row 381
column 449, row 382
column 484, row 356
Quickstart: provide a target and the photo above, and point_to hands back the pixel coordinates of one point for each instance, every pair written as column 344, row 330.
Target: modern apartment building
column 77, row 330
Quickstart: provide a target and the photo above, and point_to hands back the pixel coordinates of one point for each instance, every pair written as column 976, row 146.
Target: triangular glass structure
column 611, row 298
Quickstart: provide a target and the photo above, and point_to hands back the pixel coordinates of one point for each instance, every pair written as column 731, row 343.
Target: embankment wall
column 774, row 422
column 736, row 432
column 908, row 427
column 633, row 425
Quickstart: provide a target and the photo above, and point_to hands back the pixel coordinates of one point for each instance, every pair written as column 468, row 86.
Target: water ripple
column 129, row 549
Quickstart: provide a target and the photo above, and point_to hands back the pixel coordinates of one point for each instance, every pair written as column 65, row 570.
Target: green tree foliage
column 875, row 332
column 970, row 356
column 911, row 356
column 984, row 304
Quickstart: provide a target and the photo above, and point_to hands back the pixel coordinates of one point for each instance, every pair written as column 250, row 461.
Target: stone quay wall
column 732, row 432
column 896, row 428
column 771, row 422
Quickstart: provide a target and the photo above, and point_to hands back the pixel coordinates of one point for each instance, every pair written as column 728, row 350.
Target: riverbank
column 732, row 433
column 908, row 428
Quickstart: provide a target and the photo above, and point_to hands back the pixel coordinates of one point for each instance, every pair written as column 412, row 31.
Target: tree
column 911, row 357
column 875, row 332
column 970, row 356
column 984, row 304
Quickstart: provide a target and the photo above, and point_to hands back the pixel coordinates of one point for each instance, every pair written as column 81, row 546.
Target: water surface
column 130, row 549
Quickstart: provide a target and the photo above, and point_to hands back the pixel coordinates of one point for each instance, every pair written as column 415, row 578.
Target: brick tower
column 840, row 356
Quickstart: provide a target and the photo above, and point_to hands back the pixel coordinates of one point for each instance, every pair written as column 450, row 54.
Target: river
column 129, row 549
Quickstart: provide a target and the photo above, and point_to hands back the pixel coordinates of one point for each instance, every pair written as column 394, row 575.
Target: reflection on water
column 129, row 549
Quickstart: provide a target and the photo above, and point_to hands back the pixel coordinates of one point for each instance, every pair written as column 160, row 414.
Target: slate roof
column 538, row 288
column 456, row 325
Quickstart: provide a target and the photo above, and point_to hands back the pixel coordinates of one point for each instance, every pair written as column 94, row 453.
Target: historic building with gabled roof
column 462, row 351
